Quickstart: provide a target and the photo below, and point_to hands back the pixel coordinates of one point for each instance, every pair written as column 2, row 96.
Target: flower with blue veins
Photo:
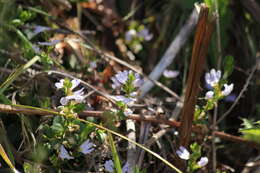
column 109, row 166
column 64, row 154
column 212, row 78
column 144, row 33
column 86, row 147
column 183, row 153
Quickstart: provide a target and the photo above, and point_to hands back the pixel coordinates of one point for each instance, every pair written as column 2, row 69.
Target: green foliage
column 195, row 155
column 251, row 130
column 228, row 66
column 46, row 60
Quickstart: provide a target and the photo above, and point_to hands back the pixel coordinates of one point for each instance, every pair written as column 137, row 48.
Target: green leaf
column 228, row 66
column 17, row 73
column 79, row 107
column 114, row 154
column 57, row 128
column 86, row 131
column 247, row 123
column 58, row 119
column 252, row 134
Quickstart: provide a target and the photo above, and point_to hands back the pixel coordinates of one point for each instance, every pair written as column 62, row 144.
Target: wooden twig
column 236, row 139
column 200, row 46
column 12, row 109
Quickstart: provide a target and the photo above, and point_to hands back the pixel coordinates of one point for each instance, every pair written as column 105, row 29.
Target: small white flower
column 128, row 111
column 129, row 35
column 203, row 161
column 109, row 166
column 183, row 153
column 75, row 83
column 64, row 153
column 86, row 147
column 209, row 95
column 60, row 84
column 227, row 89
column 170, row 73
column 212, row 78
column 145, row 34
column 125, row 168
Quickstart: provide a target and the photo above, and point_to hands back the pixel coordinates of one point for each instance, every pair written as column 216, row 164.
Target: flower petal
column 109, row 166
column 64, row 153
column 86, row 147
column 183, row 153
column 203, row 161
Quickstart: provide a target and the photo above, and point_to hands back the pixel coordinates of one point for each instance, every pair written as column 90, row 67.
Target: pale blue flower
column 138, row 82
column 86, row 147
column 125, row 168
column 170, row 73
column 203, row 161
column 125, row 100
column 38, row 29
column 183, row 153
column 60, row 84
column 129, row 35
column 144, row 33
column 212, row 78
column 64, row 153
column 75, row 83
column 78, row 96
column 51, row 43
column 227, row 89
column 209, row 95
column 109, row 166
column 121, row 78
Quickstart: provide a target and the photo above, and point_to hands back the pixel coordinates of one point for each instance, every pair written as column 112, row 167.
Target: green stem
column 114, row 154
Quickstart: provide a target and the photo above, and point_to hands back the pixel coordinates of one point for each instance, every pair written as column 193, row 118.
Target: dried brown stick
column 200, row 46
column 12, row 109
column 236, row 139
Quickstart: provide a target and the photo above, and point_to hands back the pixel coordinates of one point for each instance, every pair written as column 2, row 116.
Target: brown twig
column 12, row 109
column 236, row 139
column 203, row 34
